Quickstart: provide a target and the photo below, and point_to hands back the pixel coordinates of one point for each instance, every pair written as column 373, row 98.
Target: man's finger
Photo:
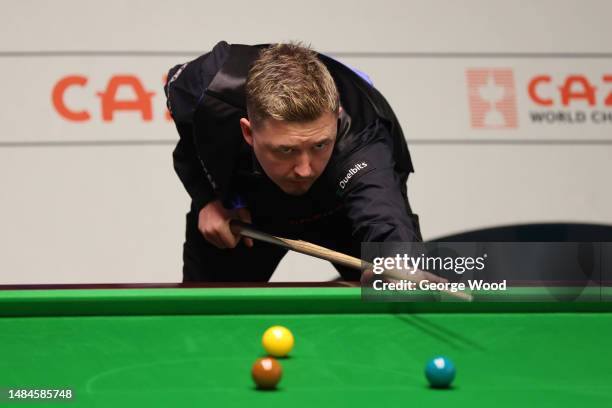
column 432, row 278
column 227, row 237
column 213, row 239
column 244, row 215
column 415, row 277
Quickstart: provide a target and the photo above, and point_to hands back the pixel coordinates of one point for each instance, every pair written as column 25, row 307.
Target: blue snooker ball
column 440, row 372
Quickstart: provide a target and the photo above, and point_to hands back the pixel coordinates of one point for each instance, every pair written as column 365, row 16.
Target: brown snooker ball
column 266, row 373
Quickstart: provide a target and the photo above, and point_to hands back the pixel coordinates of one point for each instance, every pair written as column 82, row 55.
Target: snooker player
column 294, row 142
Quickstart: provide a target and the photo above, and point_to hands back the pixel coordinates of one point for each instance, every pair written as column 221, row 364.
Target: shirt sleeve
column 375, row 195
column 190, row 170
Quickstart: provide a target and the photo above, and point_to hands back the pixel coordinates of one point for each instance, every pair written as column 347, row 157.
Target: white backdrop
column 97, row 200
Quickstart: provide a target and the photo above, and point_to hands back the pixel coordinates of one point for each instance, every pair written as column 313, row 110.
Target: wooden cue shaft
column 307, row 248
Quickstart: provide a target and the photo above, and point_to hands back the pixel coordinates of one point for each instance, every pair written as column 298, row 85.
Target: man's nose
column 303, row 167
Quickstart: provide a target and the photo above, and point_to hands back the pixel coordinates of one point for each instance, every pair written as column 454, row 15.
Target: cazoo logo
column 571, row 99
column 551, row 99
column 112, row 99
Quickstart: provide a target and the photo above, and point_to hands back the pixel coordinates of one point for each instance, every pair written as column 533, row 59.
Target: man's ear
column 247, row 130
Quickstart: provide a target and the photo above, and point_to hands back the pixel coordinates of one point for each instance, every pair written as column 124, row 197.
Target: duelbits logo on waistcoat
column 352, row 171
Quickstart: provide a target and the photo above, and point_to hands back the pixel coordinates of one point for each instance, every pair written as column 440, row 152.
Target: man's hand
column 394, row 276
column 213, row 223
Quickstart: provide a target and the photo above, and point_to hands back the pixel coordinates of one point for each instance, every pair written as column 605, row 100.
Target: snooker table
column 194, row 346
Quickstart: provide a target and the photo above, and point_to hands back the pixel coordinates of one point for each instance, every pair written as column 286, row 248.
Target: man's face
column 293, row 154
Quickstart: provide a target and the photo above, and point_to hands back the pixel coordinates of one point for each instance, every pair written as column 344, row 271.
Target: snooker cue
column 307, row 248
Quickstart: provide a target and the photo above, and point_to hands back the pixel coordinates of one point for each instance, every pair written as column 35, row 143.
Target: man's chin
column 296, row 189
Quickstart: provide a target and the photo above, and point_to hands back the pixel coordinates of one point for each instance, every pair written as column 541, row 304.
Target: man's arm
column 190, row 170
column 184, row 89
column 185, row 92
column 374, row 196
column 378, row 210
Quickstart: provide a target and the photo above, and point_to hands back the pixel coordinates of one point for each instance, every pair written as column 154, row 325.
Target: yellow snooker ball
column 277, row 341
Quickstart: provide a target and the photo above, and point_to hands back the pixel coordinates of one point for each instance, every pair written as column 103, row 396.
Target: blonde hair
column 289, row 83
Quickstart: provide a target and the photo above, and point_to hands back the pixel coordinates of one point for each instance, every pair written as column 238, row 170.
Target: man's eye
column 320, row 146
column 286, row 150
